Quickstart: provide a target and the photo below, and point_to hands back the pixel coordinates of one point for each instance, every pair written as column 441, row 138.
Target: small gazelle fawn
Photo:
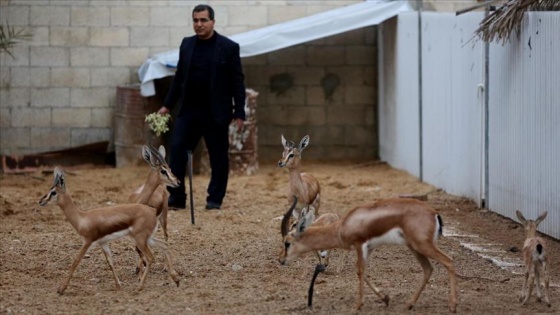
column 154, row 192
column 102, row 225
column 399, row 221
column 535, row 257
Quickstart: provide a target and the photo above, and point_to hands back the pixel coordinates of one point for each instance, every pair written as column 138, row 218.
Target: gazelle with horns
column 535, row 257
column 102, row 225
column 153, row 192
column 399, row 221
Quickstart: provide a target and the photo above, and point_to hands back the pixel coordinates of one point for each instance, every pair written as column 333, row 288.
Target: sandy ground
column 228, row 260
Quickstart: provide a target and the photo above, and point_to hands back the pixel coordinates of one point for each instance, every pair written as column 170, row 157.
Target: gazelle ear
column 541, row 218
column 59, row 177
column 161, row 151
column 284, row 142
column 304, row 222
column 520, row 217
column 304, row 143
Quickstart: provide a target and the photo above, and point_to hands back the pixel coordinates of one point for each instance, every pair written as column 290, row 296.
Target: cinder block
column 83, row 136
column 49, row 56
column 15, row 15
column 283, row 13
column 357, row 135
column 50, row 97
column 12, row 139
column 130, row 16
column 248, row 15
column 361, row 55
column 91, row 97
column 102, row 117
column 5, row 118
column 325, row 55
column 316, row 96
column 133, row 57
column 346, row 115
column 350, row 75
column 31, row 117
column 109, row 77
column 71, row 117
column 6, row 77
column 275, row 115
column 50, row 138
column 15, row 97
column 258, row 60
column 170, row 16
column 39, row 36
column 306, row 116
column 90, row 16
column 109, row 37
column 49, row 15
column 355, row 37
column 69, row 36
column 289, row 56
column 150, row 36
column 362, row 94
column 293, row 96
column 70, row 77
column 307, row 75
column 20, row 57
column 89, row 56
column 176, row 35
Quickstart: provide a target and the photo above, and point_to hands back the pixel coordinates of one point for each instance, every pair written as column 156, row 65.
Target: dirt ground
column 228, row 260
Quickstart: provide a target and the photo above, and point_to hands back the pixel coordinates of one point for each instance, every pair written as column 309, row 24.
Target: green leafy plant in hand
column 158, row 123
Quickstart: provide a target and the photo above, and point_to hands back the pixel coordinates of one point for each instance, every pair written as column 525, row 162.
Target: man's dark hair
column 204, row 7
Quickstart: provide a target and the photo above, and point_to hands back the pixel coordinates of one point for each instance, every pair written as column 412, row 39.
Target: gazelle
column 153, row 192
column 304, row 186
column 400, row 221
column 535, row 257
column 102, row 225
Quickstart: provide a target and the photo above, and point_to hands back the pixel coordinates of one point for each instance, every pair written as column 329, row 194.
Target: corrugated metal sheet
column 524, row 110
column 398, row 104
column 453, row 99
column 524, row 164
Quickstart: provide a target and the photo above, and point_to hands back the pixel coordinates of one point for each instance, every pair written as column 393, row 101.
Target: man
column 209, row 87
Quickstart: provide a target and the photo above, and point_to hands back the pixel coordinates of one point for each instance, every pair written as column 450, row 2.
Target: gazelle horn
column 286, row 219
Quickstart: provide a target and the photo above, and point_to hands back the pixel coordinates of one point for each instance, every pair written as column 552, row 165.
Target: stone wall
column 60, row 89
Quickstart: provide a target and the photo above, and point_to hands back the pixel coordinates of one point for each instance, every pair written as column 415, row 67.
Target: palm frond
column 9, row 37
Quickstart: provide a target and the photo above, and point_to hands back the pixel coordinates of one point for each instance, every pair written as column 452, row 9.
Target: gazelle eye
column 291, row 155
column 53, row 193
column 286, row 245
column 163, row 172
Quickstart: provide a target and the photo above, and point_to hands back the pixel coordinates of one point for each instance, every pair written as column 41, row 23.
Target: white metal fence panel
column 524, row 114
column 398, row 97
column 452, row 103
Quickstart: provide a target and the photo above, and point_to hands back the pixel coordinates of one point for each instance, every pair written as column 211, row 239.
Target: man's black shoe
column 176, row 205
column 210, row 205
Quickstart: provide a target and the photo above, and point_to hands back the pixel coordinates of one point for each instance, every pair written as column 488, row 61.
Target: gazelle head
column 292, row 154
column 157, row 162
column 57, row 187
column 292, row 247
column 530, row 225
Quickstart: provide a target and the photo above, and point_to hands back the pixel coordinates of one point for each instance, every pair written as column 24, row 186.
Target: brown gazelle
column 535, row 257
column 153, row 192
column 304, row 186
column 401, row 221
column 102, row 225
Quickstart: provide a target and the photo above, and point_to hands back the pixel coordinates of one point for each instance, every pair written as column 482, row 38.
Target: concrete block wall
column 60, row 89
column 342, row 125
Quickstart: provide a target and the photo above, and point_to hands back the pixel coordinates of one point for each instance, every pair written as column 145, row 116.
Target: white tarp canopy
column 282, row 35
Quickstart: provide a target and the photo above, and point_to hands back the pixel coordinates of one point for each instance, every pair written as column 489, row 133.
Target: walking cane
column 190, row 157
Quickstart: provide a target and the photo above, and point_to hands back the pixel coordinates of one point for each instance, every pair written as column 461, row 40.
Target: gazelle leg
column 141, row 262
column 77, row 260
column 538, row 284
column 546, row 285
column 524, row 287
column 433, row 252
column 108, row 257
column 163, row 220
column 384, row 297
column 428, row 269
column 530, row 283
column 360, row 270
column 163, row 246
column 149, row 259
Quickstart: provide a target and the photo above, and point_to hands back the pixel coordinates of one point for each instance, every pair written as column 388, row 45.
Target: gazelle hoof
column 386, row 300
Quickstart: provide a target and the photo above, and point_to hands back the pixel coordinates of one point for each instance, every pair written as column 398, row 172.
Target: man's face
column 202, row 25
